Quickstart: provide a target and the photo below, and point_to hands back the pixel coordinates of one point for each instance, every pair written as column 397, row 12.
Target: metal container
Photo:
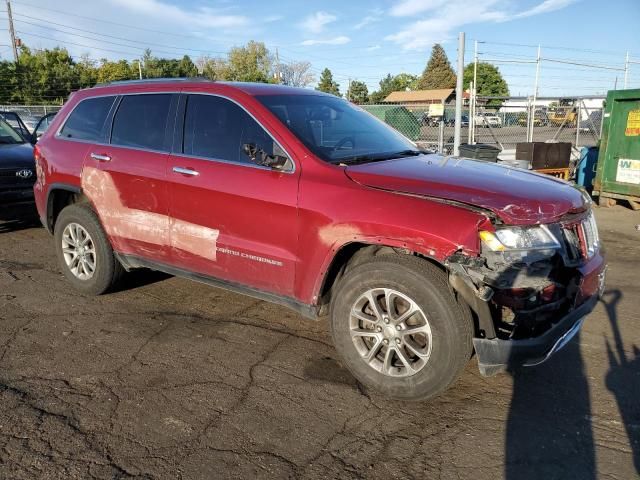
column 480, row 151
column 545, row 154
column 618, row 172
column 586, row 167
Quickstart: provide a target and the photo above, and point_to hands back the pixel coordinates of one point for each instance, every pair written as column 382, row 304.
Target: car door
column 231, row 218
column 125, row 178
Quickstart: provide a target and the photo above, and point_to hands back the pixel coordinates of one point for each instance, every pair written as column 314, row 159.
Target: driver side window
column 219, row 129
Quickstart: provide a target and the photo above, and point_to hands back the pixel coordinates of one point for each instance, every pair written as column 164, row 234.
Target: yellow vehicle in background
column 564, row 112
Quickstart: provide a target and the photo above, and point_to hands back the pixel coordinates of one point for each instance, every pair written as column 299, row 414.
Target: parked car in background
column 488, row 119
column 301, row 198
column 42, row 126
column 593, row 123
column 448, row 118
column 540, row 119
column 17, row 123
column 17, row 166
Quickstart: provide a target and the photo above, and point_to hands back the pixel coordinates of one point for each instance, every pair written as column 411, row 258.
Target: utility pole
column 12, row 32
column 474, row 93
column 470, row 127
column 140, row 67
column 532, row 114
column 626, row 70
column 459, row 95
column 349, row 91
column 277, row 66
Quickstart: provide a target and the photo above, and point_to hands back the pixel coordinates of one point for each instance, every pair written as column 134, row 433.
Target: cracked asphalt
column 167, row 378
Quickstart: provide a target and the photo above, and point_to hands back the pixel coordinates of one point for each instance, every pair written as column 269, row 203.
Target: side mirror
column 260, row 157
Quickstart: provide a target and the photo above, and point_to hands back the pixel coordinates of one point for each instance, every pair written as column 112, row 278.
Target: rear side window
column 217, row 128
column 86, row 122
column 141, row 121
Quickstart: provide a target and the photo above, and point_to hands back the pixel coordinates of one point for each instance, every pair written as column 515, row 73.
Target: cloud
column 545, row 7
column 373, row 48
column 200, row 17
column 374, row 16
column 329, row 41
column 316, row 22
column 445, row 17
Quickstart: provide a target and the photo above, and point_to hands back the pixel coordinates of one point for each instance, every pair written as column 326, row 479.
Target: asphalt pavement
column 167, row 378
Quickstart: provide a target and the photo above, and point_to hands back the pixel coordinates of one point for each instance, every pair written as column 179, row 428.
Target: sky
column 358, row 39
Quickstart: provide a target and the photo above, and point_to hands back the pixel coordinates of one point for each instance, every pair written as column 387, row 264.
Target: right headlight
column 520, row 239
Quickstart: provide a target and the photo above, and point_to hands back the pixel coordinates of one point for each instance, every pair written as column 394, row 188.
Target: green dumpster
column 397, row 117
column 618, row 173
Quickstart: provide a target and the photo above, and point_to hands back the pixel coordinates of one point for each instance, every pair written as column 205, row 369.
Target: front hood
column 516, row 196
column 16, row 156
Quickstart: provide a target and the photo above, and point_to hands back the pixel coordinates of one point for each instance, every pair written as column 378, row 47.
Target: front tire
column 84, row 252
column 399, row 328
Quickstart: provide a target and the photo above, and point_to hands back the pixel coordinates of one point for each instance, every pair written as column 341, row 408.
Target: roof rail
column 154, row 80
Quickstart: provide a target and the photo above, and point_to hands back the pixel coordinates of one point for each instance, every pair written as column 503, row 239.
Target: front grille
column 10, row 177
column 582, row 238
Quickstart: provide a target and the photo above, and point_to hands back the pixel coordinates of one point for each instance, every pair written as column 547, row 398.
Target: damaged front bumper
column 496, row 355
column 526, row 309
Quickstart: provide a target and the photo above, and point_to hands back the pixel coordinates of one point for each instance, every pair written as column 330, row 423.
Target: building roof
column 420, row 95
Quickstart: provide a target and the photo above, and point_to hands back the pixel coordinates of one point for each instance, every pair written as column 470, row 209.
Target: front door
column 231, row 218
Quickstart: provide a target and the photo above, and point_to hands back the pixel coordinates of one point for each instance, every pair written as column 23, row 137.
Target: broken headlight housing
column 520, row 239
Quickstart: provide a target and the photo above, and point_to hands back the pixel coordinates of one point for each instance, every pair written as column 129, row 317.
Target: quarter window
column 219, row 129
column 141, row 121
column 86, row 122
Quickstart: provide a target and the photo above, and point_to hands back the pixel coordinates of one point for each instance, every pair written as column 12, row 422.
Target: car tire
column 97, row 251
column 448, row 344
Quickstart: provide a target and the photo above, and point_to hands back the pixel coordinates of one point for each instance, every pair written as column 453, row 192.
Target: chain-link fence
column 503, row 122
column 29, row 112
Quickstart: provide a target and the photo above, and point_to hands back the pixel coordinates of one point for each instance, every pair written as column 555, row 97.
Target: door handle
column 101, row 158
column 186, row 171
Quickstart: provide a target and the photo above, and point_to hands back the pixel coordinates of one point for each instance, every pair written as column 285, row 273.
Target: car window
column 86, row 122
column 8, row 135
column 217, row 128
column 141, row 121
column 334, row 129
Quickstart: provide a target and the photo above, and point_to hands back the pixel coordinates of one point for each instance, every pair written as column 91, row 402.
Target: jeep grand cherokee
column 301, row 198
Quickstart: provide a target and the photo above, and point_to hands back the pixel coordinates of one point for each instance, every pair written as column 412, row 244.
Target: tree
column 251, row 63
column 490, row 81
column 391, row 83
column 296, row 74
column 438, row 73
column 327, row 84
column 358, row 92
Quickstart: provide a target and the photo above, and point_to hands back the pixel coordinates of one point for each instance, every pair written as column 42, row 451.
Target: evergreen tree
column 438, row 73
column 358, row 92
column 327, row 84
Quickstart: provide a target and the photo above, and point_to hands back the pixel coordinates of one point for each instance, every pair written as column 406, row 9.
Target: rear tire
column 379, row 348
column 84, row 252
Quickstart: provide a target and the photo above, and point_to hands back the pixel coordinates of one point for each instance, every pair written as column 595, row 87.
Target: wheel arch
column 59, row 196
column 350, row 254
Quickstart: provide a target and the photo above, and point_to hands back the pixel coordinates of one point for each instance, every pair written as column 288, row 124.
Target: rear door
column 231, row 218
column 125, row 177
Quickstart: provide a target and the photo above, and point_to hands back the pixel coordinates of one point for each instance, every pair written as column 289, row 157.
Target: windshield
column 337, row 131
column 8, row 135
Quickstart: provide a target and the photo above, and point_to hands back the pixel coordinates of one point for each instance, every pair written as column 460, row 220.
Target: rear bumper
column 495, row 355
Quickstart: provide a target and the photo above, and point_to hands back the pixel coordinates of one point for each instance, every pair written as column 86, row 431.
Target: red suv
column 303, row 199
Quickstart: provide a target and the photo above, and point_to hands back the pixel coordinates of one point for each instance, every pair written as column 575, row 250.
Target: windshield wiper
column 377, row 157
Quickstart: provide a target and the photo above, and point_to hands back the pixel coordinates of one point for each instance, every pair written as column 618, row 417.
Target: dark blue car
column 17, row 166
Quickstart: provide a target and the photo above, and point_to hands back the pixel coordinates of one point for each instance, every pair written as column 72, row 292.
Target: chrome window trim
column 232, row 162
column 292, row 170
